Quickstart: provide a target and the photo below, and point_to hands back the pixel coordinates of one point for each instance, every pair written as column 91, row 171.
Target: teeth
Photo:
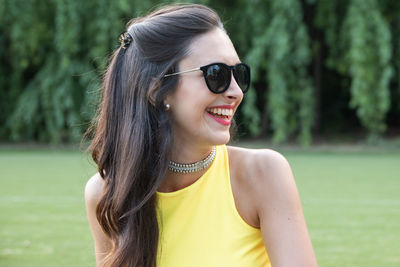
column 221, row 111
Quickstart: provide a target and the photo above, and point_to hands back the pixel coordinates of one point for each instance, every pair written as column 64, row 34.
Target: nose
column 234, row 91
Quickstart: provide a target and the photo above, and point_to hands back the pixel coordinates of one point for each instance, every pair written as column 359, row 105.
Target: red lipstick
column 222, row 121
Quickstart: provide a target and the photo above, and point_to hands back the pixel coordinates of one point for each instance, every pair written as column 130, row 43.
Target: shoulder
column 270, row 186
column 94, row 190
column 267, row 176
column 93, row 193
column 258, row 163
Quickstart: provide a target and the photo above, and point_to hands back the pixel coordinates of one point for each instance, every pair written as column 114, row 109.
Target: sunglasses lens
column 242, row 76
column 217, row 77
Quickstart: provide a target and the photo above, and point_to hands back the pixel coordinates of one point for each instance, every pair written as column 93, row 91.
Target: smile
column 221, row 115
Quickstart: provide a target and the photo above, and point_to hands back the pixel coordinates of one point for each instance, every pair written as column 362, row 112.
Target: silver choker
column 192, row 167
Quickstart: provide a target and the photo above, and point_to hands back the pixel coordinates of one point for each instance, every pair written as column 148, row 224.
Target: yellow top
column 200, row 226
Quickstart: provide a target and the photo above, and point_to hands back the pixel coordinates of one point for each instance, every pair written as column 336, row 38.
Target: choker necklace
column 192, row 167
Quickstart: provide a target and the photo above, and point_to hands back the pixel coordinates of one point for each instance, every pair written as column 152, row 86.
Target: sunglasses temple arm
column 181, row 72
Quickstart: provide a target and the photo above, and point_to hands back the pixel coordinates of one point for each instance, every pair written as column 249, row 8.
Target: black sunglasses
column 218, row 76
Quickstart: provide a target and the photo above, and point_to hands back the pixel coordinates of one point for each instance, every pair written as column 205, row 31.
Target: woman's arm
column 279, row 210
column 93, row 192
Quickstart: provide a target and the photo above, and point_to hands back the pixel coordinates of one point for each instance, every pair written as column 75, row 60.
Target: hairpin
column 125, row 39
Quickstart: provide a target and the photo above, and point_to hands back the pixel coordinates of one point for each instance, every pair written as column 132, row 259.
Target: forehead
column 213, row 46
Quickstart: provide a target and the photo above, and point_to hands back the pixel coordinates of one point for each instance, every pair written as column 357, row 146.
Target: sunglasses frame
column 231, row 69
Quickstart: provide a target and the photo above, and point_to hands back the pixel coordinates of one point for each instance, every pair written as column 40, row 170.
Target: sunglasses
column 218, row 76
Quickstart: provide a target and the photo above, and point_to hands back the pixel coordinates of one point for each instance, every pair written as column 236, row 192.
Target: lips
column 221, row 114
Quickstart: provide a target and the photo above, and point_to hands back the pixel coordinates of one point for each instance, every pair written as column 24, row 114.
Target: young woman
column 169, row 192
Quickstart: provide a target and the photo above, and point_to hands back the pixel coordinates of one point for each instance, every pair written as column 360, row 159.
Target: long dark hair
column 132, row 133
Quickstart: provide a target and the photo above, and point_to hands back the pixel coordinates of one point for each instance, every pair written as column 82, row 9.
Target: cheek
column 193, row 97
column 190, row 112
column 190, row 115
column 190, row 101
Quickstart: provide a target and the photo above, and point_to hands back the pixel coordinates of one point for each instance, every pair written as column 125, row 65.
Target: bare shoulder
column 258, row 163
column 266, row 174
column 259, row 153
column 94, row 189
column 270, row 185
column 93, row 193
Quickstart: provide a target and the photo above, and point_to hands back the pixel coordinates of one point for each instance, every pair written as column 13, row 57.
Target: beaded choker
column 192, row 167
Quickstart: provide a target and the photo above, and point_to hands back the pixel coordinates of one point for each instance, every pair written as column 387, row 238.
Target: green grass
column 352, row 205
column 42, row 211
column 351, row 201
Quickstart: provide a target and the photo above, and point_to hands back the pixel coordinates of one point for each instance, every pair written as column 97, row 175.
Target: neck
column 185, row 154
column 188, row 150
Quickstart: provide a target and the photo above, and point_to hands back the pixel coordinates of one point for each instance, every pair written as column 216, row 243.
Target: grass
column 351, row 202
column 352, row 205
column 42, row 212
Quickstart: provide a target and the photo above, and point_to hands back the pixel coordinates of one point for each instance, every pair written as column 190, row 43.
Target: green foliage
column 329, row 18
column 251, row 113
column 280, row 49
column 367, row 40
column 391, row 13
column 52, row 54
column 69, row 41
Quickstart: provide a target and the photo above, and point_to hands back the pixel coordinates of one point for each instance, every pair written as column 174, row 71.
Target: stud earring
column 167, row 107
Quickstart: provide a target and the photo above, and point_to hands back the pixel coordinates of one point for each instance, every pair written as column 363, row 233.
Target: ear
column 155, row 84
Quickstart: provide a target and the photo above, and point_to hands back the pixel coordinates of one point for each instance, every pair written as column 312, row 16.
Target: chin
column 220, row 139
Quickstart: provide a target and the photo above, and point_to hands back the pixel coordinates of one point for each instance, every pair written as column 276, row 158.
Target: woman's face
column 192, row 103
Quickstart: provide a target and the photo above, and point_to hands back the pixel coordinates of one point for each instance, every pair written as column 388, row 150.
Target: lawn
column 351, row 201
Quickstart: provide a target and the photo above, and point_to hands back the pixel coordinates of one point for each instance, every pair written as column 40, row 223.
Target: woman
column 169, row 192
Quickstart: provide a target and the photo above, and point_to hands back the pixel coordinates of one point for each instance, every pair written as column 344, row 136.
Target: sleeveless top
column 200, row 225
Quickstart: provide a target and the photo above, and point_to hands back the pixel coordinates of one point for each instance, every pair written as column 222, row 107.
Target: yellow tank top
column 200, row 226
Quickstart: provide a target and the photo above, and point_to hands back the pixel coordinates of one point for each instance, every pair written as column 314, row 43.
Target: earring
column 167, row 107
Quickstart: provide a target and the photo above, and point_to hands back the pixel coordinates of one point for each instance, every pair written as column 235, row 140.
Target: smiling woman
column 168, row 191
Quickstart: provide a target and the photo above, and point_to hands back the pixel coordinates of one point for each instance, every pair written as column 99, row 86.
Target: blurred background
column 321, row 69
column 325, row 93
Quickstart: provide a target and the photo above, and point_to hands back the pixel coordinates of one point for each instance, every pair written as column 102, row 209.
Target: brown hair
column 132, row 133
